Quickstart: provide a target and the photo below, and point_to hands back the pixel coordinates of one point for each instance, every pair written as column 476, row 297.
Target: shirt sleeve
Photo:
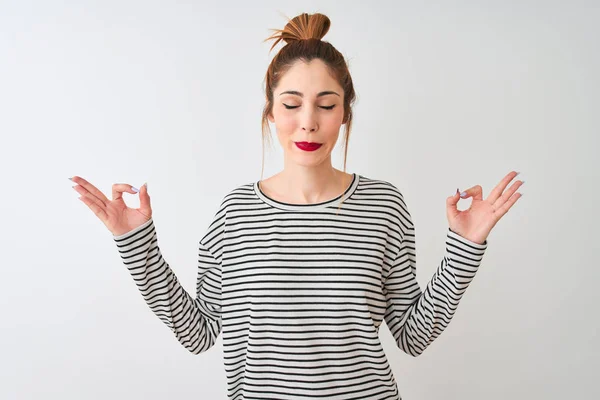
column 196, row 322
column 416, row 318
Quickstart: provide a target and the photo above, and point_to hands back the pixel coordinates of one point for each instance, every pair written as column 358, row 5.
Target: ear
column 270, row 118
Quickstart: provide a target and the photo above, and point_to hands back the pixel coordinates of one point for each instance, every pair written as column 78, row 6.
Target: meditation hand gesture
column 115, row 214
column 477, row 221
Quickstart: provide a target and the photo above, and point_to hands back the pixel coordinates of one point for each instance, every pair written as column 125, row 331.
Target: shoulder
column 382, row 189
column 388, row 201
column 236, row 196
column 231, row 200
column 240, row 191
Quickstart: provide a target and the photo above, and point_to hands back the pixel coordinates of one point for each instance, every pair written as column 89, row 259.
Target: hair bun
column 302, row 27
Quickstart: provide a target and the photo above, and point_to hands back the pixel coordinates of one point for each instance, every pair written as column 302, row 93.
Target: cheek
column 332, row 123
column 334, row 117
column 286, row 124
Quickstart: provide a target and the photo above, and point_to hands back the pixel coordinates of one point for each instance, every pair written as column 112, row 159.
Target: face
column 308, row 107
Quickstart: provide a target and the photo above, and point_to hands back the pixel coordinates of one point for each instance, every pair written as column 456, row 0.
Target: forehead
column 308, row 78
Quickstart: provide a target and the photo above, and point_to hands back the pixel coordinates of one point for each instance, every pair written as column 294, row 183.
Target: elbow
column 201, row 337
column 199, row 345
column 416, row 352
column 413, row 351
column 197, row 348
column 411, row 347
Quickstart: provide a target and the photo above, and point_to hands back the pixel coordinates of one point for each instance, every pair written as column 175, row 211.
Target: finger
column 499, row 189
column 100, row 213
column 451, row 205
column 476, row 192
column 119, row 188
column 90, row 188
column 145, row 207
column 85, row 194
column 499, row 213
column 507, row 194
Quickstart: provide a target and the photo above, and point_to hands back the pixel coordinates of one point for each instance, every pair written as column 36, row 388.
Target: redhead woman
column 298, row 271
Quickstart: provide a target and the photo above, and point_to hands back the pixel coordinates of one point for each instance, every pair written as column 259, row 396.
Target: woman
column 299, row 270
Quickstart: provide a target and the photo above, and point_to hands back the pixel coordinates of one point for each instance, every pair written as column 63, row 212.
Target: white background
column 449, row 95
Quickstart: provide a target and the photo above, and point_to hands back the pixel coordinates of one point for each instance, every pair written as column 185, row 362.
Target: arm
column 195, row 322
column 416, row 318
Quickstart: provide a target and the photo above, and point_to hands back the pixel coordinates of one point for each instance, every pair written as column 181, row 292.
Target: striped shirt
column 299, row 291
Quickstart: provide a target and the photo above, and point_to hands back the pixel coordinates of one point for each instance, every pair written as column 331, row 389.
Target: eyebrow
column 297, row 93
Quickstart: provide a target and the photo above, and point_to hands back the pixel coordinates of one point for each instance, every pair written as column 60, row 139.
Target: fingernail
column 135, row 190
column 71, row 179
column 456, row 192
column 463, row 194
column 146, row 184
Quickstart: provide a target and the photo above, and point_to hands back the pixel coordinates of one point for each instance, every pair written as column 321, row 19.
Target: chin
column 307, row 164
column 308, row 159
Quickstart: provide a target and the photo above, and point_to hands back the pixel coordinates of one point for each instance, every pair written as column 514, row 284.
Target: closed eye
column 325, row 107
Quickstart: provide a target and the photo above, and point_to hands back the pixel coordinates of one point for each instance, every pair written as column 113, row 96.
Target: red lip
column 308, row 146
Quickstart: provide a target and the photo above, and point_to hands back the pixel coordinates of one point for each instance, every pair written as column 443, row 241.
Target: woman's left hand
column 477, row 221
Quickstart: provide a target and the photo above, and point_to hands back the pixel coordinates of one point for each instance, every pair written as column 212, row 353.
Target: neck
column 309, row 185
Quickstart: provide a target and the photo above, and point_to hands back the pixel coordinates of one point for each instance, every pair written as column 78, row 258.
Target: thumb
column 451, row 205
column 476, row 192
column 145, row 206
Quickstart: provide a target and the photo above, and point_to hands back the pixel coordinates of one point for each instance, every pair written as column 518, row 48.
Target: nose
column 309, row 122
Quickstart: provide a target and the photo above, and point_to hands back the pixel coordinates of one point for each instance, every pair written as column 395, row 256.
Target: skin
column 309, row 177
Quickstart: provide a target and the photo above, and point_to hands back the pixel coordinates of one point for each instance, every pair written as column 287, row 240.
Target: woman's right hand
column 115, row 214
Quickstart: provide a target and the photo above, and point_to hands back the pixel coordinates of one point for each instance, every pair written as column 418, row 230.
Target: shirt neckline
column 308, row 207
